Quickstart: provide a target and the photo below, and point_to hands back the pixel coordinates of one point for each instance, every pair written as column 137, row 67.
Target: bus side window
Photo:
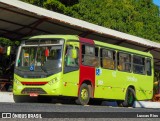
column 90, row 56
column 124, row 62
column 69, row 61
column 148, row 67
column 138, row 65
column 107, row 59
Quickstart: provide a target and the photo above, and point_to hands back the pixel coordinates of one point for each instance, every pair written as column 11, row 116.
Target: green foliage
column 5, row 42
column 137, row 17
column 8, row 42
column 54, row 5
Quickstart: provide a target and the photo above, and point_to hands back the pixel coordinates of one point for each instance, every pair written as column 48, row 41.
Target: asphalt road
column 67, row 111
column 50, row 110
column 50, row 107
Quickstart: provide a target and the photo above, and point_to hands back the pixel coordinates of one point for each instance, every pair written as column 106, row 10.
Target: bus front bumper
column 32, row 90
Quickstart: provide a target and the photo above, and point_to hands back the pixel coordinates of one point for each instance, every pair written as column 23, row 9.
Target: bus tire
column 129, row 98
column 84, row 95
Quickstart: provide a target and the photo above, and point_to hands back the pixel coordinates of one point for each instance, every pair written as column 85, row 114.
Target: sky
column 157, row 2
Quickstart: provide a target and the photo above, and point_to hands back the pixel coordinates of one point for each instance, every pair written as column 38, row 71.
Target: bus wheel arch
column 133, row 88
column 130, row 97
column 85, row 93
column 90, row 85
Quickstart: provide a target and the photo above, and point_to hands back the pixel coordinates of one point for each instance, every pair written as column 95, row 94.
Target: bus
column 71, row 66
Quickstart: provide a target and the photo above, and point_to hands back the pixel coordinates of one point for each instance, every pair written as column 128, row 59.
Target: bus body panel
column 70, row 84
column 113, row 84
column 108, row 85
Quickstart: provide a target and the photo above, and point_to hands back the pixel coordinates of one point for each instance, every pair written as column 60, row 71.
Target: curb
column 146, row 104
column 6, row 97
column 137, row 104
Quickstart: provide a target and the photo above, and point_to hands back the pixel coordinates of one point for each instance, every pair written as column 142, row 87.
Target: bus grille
column 33, row 90
column 34, row 83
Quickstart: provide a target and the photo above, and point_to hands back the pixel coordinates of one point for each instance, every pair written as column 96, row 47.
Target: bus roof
column 124, row 49
column 53, row 36
column 103, row 44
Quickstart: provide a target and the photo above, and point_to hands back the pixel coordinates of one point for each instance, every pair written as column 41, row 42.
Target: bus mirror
column 74, row 53
column 8, row 50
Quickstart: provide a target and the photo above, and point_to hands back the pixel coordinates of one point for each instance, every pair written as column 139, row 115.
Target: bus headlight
column 53, row 81
column 16, row 81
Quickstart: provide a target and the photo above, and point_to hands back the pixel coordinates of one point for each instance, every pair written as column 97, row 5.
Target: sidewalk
column 6, row 97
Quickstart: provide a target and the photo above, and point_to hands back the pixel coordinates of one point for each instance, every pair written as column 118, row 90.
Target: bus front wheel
column 129, row 99
column 84, row 95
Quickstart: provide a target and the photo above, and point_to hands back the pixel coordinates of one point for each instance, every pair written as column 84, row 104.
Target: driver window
column 69, row 61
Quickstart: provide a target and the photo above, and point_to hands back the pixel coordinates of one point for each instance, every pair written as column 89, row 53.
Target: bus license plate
column 33, row 94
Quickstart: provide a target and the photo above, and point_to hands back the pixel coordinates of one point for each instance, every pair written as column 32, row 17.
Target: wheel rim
column 84, row 94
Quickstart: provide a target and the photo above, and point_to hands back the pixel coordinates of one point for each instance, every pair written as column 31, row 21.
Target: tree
column 35, row 2
column 5, row 42
column 137, row 17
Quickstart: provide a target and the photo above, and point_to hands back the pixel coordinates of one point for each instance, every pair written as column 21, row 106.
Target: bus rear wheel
column 84, row 95
column 129, row 99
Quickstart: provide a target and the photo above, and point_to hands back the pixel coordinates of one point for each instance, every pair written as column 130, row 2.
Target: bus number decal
column 131, row 78
column 100, row 82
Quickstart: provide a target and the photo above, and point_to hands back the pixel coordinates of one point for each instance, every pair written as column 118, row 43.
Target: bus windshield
column 45, row 59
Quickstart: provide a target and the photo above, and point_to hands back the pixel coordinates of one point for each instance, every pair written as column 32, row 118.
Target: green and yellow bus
column 72, row 66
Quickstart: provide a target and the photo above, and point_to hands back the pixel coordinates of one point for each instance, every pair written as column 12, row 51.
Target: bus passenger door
column 71, row 69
